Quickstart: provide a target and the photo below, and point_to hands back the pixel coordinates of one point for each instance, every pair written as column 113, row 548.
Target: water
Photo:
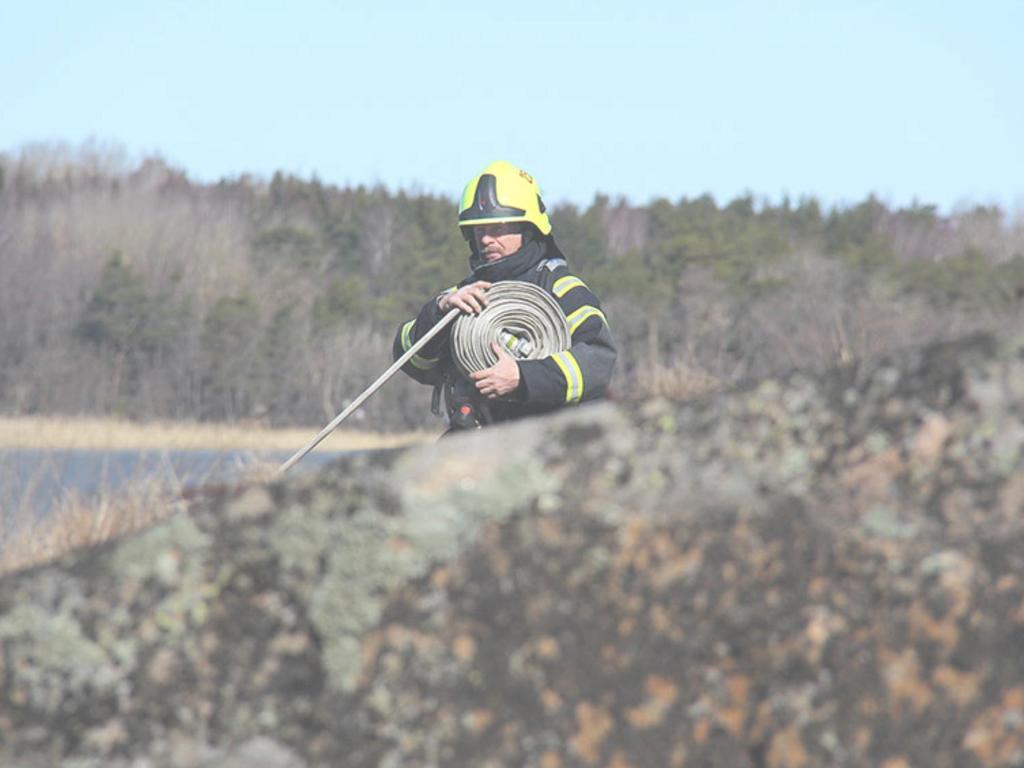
column 36, row 480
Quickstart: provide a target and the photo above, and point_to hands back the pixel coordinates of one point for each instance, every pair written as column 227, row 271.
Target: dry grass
column 677, row 382
column 78, row 521
column 31, row 432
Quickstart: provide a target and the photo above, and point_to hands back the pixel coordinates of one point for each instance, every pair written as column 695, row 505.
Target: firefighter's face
column 496, row 241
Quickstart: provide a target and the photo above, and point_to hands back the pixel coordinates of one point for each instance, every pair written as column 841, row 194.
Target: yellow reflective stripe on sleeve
column 565, row 284
column 573, row 375
column 407, row 335
column 577, row 318
column 423, row 363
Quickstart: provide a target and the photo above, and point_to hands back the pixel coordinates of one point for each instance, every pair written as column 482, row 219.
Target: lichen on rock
column 812, row 570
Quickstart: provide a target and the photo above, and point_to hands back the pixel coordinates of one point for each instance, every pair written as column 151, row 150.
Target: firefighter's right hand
column 471, row 298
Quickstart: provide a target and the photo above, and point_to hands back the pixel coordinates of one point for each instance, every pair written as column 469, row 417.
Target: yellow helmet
column 503, row 193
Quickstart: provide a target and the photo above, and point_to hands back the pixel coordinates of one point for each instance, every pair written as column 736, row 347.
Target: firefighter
column 504, row 221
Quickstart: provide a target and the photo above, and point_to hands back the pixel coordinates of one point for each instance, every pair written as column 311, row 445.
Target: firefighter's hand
column 471, row 298
column 500, row 379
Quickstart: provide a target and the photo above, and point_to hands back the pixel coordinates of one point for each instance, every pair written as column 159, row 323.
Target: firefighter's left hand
column 500, row 379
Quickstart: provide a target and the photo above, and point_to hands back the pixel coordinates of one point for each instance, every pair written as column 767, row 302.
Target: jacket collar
column 512, row 266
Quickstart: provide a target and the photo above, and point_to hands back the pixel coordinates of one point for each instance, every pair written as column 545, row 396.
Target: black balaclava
column 532, row 251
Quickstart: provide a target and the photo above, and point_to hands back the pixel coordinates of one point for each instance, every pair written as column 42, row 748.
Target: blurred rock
column 803, row 572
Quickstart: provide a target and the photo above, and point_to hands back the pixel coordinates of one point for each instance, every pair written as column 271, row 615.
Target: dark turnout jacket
column 576, row 375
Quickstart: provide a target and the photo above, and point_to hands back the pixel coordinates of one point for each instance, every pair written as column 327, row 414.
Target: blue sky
column 910, row 100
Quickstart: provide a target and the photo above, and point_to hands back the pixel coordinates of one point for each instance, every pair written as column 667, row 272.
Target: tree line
column 131, row 290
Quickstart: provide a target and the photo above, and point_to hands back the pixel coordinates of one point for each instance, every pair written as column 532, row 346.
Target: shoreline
column 111, row 434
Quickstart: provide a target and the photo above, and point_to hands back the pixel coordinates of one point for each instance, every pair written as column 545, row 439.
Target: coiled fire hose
column 522, row 317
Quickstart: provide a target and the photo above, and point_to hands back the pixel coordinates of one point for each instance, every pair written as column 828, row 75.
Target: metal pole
column 443, row 323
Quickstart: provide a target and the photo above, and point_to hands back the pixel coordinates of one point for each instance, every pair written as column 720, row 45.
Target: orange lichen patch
column 664, row 546
column 269, row 666
column 1013, row 701
column 369, row 651
column 550, row 759
column 871, row 477
column 551, row 700
column 662, row 623
column 903, row 680
column 741, row 531
column 538, row 606
column 730, row 573
column 464, row 648
column 891, row 550
column 944, row 632
column 962, row 687
column 441, row 578
column 762, row 721
column 400, row 637
column 549, row 530
column 290, row 643
column 661, row 694
column 821, row 625
column 1011, row 499
column 819, row 587
column 108, row 736
column 499, row 561
column 396, row 635
column 163, row 666
column 678, row 757
column 631, row 552
column 862, row 739
column 318, row 745
column 733, row 717
column 997, row 734
column 679, row 567
column 593, row 724
column 547, row 647
column 510, row 734
column 701, row 730
column 634, row 533
column 209, row 642
column 619, row 760
column 929, row 441
column 660, row 619
column 869, row 707
column 765, row 557
column 787, row 750
column 269, row 602
column 615, row 658
column 449, row 474
column 818, row 629
column 864, row 635
column 956, row 580
column 1007, row 583
column 896, row 762
column 955, row 504
column 399, row 544
column 477, row 720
